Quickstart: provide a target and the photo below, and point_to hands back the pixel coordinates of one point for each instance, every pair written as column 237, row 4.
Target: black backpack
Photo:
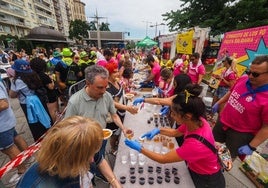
column 42, row 95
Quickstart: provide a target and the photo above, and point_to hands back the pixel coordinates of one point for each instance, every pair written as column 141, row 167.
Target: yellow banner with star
column 184, row 43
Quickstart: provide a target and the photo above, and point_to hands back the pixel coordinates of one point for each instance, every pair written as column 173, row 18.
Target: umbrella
column 146, row 42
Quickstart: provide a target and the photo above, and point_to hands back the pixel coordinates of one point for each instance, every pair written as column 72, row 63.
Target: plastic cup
column 129, row 133
column 141, row 180
column 158, row 169
column 171, row 145
column 164, row 150
column 132, row 179
column 156, row 139
column 141, row 159
column 167, row 178
column 176, row 179
column 174, row 170
column 150, row 168
column 157, row 149
column 133, row 159
column 159, row 179
column 124, row 159
column 122, row 179
column 140, row 170
column 132, row 170
column 150, row 179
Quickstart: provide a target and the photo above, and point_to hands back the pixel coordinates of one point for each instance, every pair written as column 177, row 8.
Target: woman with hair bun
column 65, row 154
column 188, row 110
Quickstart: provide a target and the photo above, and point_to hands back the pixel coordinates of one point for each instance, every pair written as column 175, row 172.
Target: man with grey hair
column 95, row 102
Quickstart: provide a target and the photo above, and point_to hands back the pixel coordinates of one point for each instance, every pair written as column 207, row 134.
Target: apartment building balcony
column 15, row 2
column 43, row 5
column 8, row 10
column 43, row 13
column 56, row 7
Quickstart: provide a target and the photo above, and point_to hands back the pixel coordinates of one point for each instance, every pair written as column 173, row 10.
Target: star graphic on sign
column 261, row 50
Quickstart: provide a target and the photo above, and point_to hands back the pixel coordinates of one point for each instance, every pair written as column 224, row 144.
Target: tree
column 220, row 15
column 92, row 26
column 78, row 29
column 104, row 27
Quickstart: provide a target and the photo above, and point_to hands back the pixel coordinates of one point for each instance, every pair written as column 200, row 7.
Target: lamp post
column 155, row 25
column 97, row 18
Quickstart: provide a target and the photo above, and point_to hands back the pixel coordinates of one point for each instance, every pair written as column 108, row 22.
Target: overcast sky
column 132, row 15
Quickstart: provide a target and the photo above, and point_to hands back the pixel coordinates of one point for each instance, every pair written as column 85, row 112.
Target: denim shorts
column 221, row 91
column 7, row 138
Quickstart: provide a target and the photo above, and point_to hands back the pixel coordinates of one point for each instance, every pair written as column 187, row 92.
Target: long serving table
column 165, row 172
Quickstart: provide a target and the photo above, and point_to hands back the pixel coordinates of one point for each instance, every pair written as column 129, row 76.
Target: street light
column 97, row 18
column 155, row 25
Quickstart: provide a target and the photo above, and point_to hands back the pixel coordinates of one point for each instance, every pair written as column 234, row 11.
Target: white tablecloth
column 139, row 124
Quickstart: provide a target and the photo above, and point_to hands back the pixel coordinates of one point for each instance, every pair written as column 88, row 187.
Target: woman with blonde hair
column 65, row 154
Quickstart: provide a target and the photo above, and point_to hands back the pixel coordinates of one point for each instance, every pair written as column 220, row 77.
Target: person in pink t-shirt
column 196, row 70
column 227, row 80
column 155, row 70
column 166, row 82
column 243, row 122
column 188, row 110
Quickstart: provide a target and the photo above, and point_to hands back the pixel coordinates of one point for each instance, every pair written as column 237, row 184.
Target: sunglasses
column 77, row 58
column 254, row 74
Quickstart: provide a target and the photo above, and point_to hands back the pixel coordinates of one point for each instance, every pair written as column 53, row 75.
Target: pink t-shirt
column 102, row 62
column 156, row 72
column 195, row 70
column 178, row 64
column 242, row 113
column 227, row 75
column 198, row 156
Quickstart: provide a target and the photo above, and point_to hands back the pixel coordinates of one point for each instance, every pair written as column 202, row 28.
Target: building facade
column 18, row 17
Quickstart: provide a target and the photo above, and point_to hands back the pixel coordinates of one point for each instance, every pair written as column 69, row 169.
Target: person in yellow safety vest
column 84, row 61
column 169, row 64
column 93, row 56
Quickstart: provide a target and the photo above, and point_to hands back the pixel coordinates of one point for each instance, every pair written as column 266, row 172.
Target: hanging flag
column 184, row 42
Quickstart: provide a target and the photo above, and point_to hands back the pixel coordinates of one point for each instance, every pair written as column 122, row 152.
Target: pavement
column 234, row 178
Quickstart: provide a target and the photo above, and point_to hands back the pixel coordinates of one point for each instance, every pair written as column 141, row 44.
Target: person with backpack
column 84, row 62
column 67, row 73
column 39, row 66
column 24, row 86
column 188, row 110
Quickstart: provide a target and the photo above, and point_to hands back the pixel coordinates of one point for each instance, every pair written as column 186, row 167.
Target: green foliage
column 78, row 29
column 104, row 27
column 130, row 45
column 92, row 26
column 220, row 15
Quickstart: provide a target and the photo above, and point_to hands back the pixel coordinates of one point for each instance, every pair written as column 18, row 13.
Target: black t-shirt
column 64, row 71
column 51, row 94
column 116, row 94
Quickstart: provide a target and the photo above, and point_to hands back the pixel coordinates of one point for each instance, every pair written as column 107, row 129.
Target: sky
column 133, row 16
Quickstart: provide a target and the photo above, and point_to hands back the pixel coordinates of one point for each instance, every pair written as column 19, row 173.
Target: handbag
column 221, row 150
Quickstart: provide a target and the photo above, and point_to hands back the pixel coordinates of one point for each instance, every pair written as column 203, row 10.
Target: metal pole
column 98, row 34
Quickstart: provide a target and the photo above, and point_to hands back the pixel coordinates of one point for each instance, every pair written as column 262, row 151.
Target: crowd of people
column 41, row 82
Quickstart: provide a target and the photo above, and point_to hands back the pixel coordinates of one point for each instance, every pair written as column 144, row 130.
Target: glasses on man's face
column 192, row 59
column 254, row 74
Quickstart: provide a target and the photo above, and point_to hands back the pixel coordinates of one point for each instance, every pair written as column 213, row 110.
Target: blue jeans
column 97, row 159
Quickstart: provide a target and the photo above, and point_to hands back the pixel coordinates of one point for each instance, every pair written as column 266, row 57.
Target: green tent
column 146, row 42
